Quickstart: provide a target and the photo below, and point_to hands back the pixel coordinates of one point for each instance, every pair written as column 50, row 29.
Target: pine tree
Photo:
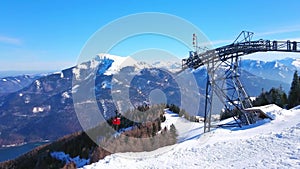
column 154, row 129
column 274, row 96
column 294, row 94
column 284, row 100
column 173, row 134
column 261, row 100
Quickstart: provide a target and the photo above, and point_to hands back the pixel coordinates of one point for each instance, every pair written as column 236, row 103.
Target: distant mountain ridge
column 14, row 73
column 280, row 70
column 14, row 83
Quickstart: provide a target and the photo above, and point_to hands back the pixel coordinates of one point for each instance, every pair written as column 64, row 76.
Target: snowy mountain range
column 27, row 112
column 44, row 109
column 277, row 70
column 280, row 70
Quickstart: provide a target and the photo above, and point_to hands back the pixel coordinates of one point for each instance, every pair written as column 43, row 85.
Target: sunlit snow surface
column 67, row 159
column 267, row 144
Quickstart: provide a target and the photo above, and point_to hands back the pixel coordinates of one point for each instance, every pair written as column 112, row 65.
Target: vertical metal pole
column 209, row 96
column 207, row 107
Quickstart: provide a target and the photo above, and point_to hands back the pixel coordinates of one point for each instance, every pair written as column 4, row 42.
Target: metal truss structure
column 222, row 66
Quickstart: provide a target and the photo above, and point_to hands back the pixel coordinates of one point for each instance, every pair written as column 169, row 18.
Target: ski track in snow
column 273, row 144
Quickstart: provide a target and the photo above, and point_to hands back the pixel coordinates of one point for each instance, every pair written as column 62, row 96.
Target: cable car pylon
column 225, row 84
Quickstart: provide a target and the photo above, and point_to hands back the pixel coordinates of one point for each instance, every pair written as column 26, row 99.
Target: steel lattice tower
column 223, row 73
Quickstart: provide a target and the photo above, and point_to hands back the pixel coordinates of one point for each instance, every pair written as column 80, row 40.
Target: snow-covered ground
column 67, row 159
column 267, row 144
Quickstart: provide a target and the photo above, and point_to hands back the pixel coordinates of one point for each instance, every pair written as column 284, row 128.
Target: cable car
column 116, row 121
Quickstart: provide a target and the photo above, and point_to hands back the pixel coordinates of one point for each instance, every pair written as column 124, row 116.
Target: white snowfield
column 266, row 144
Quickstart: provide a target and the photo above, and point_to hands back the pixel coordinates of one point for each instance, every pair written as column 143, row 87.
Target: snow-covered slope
column 296, row 63
column 121, row 62
column 267, row 144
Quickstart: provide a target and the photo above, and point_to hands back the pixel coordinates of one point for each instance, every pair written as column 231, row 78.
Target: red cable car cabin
column 116, row 121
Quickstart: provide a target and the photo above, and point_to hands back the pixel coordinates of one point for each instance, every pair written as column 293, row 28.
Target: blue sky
column 49, row 35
